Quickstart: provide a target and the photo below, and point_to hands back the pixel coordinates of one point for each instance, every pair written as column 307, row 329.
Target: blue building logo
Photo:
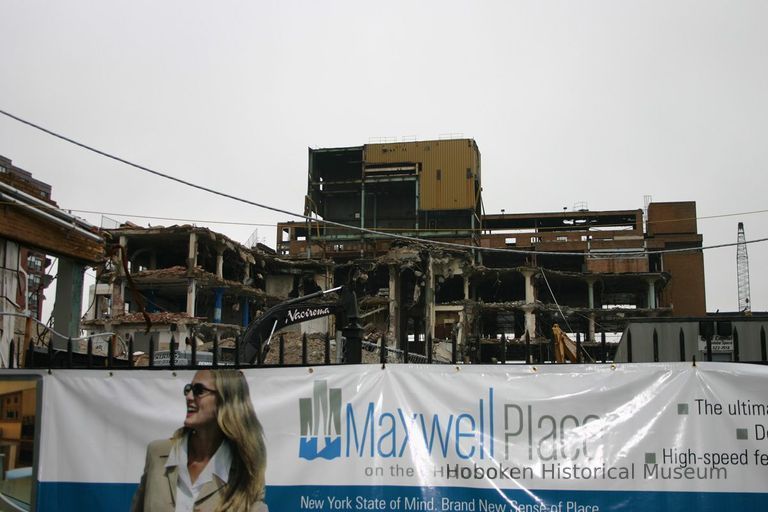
column 320, row 418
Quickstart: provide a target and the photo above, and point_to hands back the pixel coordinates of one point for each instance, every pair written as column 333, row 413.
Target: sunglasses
column 197, row 389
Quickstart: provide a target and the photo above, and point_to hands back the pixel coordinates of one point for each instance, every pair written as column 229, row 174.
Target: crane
column 742, row 271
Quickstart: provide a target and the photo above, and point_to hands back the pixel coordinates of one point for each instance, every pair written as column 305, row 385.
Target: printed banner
column 555, row 438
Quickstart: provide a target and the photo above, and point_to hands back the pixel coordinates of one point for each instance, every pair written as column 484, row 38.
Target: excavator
column 257, row 337
column 565, row 347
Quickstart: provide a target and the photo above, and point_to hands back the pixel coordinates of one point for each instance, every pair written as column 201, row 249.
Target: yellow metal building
column 448, row 170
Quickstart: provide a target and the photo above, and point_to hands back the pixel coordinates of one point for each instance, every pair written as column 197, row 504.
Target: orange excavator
column 565, row 347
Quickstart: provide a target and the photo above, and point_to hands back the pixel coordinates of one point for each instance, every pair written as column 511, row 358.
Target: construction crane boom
column 742, row 270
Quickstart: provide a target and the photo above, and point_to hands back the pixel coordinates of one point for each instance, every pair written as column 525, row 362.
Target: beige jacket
column 157, row 490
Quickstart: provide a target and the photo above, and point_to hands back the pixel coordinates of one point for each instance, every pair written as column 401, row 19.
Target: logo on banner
column 373, row 431
column 320, row 418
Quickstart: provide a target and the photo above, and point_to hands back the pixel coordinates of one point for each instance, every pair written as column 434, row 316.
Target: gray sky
column 569, row 101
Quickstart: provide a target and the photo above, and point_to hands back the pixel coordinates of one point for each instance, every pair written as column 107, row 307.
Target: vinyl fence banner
column 555, row 438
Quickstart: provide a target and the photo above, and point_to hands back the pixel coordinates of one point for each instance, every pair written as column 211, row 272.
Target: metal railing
column 47, row 356
column 523, row 351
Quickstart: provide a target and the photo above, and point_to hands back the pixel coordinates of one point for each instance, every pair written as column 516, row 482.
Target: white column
column 191, row 296
column 393, row 330
column 69, row 298
column 192, row 255
column 429, row 300
column 118, row 285
column 651, row 293
column 220, row 263
column 530, row 302
column 530, row 320
column 591, row 298
column 191, row 283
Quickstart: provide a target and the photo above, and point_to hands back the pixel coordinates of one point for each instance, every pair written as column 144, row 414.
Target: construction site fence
column 46, row 356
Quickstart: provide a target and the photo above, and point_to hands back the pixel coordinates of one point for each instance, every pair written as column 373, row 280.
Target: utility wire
column 439, row 243
column 523, row 231
column 239, row 223
column 551, row 292
column 707, row 217
column 176, row 219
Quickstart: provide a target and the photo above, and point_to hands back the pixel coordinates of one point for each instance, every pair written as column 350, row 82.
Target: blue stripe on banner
column 77, row 497
column 354, row 498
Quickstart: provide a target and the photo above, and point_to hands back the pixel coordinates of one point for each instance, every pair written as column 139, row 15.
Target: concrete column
column 191, row 282
column 69, row 299
column 124, row 251
column 591, row 299
column 362, row 217
column 465, row 279
column 101, row 306
column 220, row 263
column 530, row 301
column 191, row 296
column 393, row 329
column 530, row 320
column 429, row 300
column 246, row 272
column 118, row 285
column 192, row 253
column 651, row 293
column 530, row 297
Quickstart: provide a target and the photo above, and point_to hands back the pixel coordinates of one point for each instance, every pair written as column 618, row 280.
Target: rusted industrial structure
column 480, row 277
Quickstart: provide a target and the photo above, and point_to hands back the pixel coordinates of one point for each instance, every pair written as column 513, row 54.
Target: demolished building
column 188, row 284
column 404, row 223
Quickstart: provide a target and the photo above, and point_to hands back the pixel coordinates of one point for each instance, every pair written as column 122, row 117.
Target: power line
column 707, row 217
column 439, row 243
column 448, row 244
column 175, row 219
column 240, row 223
column 485, row 249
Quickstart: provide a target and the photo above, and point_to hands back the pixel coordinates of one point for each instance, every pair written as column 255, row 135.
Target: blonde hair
column 239, row 424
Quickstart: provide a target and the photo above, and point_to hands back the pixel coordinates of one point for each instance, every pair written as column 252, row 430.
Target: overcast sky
column 601, row 102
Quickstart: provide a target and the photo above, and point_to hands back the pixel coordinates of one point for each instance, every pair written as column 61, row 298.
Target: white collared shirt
column 187, row 493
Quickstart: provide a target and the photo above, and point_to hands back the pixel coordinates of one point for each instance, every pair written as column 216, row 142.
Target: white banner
column 438, row 438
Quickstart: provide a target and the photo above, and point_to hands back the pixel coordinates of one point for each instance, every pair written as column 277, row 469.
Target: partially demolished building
column 481, row 278
column 193, row 284
column 404, row 225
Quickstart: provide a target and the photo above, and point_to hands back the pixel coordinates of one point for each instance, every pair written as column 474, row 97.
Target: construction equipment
column 258, row 335
column 742, row 271
column 565, row 347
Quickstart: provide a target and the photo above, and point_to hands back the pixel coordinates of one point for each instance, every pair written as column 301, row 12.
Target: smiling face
column 202, row 409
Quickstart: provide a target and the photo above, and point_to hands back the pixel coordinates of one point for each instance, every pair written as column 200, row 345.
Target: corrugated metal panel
column 449, row 169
